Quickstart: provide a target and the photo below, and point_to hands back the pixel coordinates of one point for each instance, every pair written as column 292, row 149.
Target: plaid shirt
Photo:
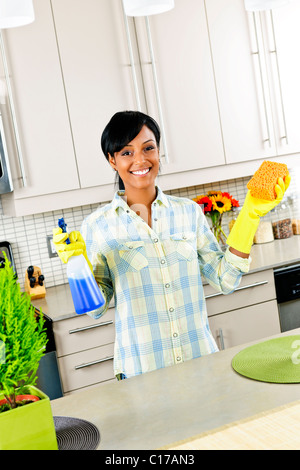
column 155, row 276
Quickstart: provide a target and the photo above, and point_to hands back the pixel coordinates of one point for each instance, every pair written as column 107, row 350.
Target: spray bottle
column 87, row 297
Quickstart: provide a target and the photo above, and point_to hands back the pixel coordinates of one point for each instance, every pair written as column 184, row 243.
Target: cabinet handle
column 130, row 50
column 155, row 80
column 98, row 361
column 13, row 111
column 221, row 337
column 90, row 327
column 255, row 284
column 273, row 50
column 258, row 54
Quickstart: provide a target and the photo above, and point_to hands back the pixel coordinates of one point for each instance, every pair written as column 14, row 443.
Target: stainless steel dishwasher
column 287, row 284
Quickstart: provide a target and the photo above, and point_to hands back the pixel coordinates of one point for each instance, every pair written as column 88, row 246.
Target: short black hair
column 123, row 127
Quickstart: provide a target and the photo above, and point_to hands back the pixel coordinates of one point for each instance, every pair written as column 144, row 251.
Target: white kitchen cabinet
column 97, row 77
column 70, row 73
column 245, row 324
column 282, row 49
column 248, row 314
column 41, row 107
column 257, row 75
column 185, row 85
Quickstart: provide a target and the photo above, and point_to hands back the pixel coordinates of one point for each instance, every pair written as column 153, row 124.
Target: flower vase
column 217, row 230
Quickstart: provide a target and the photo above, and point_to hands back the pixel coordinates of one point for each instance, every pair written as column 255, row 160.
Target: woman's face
column 138, row 162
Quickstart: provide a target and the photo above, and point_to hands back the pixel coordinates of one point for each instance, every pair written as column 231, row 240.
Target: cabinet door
column 245, row 324
column 41, row 107
column 241, row 81
column 282, row 39
column 186, row 85
column 97, row 76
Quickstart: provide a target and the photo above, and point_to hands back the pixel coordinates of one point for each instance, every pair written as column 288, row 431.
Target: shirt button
column 178, row 358
column 171, row 309
column 154, row 203
column 184, row 237
column 167, row 285
column 155, row 240
column 130, row 247
column 175, row 335
column 163, row 261
column 156, row 220
column 127, row 212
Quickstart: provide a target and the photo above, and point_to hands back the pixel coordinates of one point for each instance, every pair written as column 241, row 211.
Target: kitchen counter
column 163, row 407
column 58, row 304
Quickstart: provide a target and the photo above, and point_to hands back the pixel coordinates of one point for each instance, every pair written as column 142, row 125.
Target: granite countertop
column 58, row 304
column 159, row 408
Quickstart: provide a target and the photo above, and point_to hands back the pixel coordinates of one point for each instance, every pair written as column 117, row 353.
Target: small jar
column 296, row 226
column 282, row 221
column 264, row 232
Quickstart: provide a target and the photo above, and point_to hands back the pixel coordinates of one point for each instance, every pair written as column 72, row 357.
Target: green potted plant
column 26, row 420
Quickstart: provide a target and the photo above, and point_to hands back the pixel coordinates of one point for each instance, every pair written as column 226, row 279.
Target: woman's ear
column 111, row 161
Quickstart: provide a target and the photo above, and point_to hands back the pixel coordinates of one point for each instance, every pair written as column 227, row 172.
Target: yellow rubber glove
column 75, row 248
column 243, row 231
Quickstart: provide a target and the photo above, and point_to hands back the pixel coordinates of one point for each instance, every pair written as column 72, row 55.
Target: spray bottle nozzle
column 63, row 226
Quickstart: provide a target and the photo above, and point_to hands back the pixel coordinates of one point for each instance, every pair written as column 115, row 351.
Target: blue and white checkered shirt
column 155, row 276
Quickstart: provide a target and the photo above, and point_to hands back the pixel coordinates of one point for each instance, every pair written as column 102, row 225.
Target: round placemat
column 75, row 434
column 276, row 360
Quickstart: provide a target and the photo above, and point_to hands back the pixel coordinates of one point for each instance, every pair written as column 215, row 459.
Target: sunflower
column 221, row 203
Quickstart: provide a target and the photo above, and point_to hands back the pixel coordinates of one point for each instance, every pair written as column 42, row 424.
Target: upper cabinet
column 179, row 86
column 222, row 83
column 97, row 76
column 40, row 104
column 257, row 78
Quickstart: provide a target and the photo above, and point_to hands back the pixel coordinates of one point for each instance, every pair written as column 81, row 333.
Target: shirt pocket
column 134, row 255
column 185, row 245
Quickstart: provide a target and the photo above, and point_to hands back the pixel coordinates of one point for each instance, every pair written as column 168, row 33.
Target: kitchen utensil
column 276, row 360
column 34, row 282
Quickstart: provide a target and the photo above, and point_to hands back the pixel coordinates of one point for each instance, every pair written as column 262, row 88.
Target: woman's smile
column 143, row 172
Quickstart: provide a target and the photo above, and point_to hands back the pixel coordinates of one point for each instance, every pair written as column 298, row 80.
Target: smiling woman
column 149, row 249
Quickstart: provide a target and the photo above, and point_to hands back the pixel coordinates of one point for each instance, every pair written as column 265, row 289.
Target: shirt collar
column 118, row 200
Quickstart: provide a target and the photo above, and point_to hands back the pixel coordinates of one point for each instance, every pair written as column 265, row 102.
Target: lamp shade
column 15, row 13
column 147, row 7
column 259, row 5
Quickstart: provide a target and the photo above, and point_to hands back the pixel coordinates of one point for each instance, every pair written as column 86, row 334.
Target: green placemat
column 276, row 360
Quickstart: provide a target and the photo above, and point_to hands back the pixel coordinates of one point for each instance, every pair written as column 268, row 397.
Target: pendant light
column 147, row 7
column 15, row 13
column 260, row 5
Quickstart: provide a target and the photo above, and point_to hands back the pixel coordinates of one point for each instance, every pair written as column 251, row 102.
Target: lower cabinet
column 245, row 324
column 85, row 349
column 248, row 314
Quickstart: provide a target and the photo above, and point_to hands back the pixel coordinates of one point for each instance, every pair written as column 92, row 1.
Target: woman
column 149, row 250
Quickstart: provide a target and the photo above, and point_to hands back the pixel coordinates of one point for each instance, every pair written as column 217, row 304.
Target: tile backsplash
column 28, row 235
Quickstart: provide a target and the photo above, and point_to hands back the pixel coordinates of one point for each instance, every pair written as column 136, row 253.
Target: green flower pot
column 28, row 427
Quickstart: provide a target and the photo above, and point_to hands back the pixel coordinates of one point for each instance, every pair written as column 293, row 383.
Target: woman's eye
column 150, row 148
column 125, row 153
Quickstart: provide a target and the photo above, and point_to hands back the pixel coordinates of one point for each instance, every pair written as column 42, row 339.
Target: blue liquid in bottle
column 85, row 291
column 86, row 295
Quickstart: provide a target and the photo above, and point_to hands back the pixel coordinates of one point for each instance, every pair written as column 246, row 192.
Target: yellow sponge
column 262, row 184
